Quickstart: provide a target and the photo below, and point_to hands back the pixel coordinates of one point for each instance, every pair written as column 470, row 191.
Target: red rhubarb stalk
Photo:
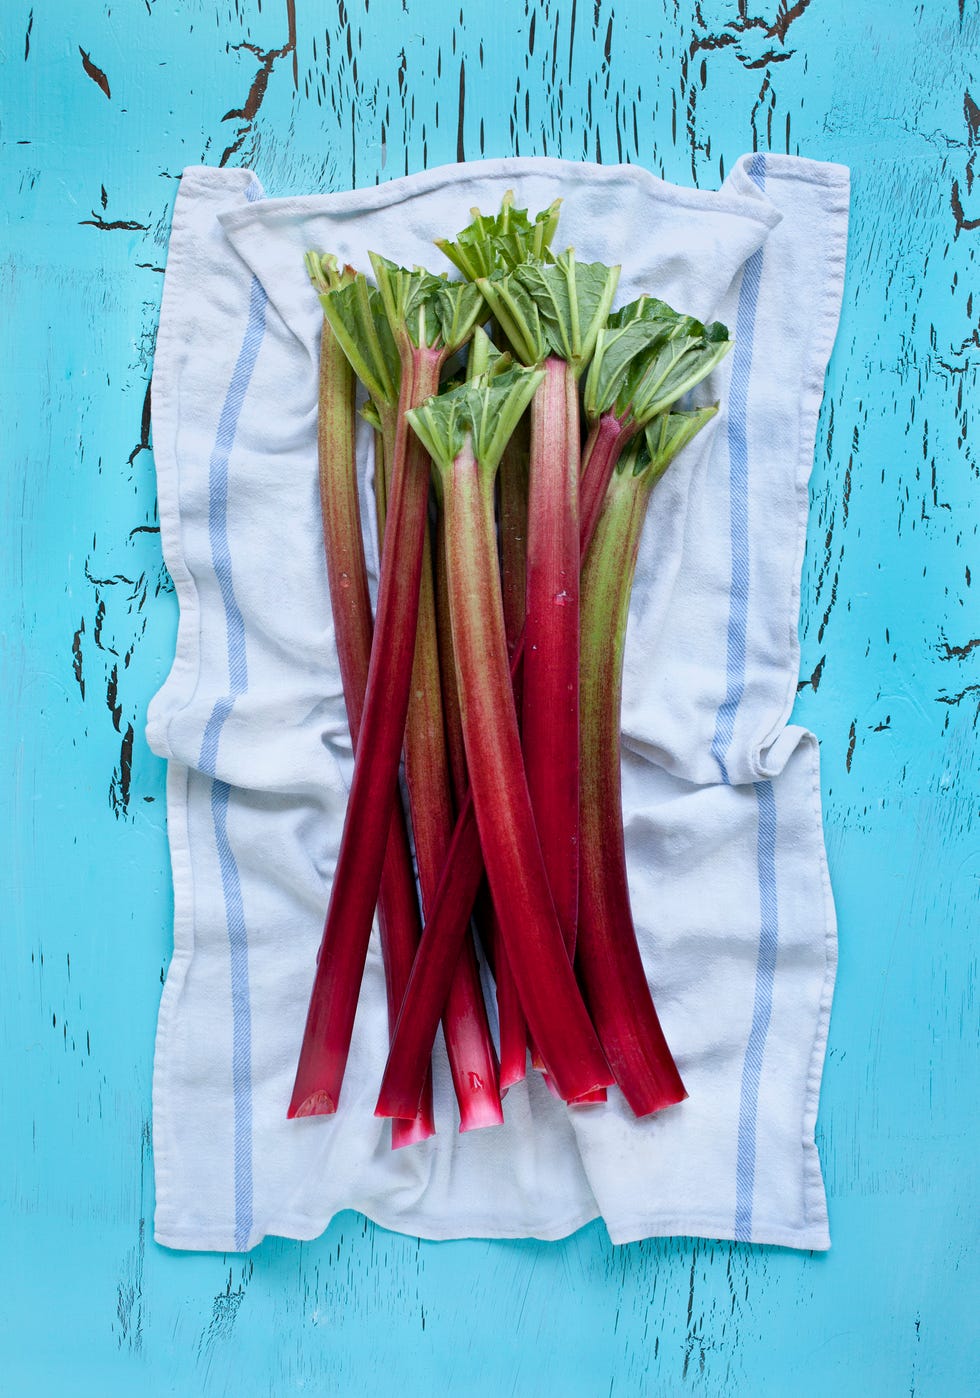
column 602, row 450
column 549, row 725
column 361, row 321
column 437, row 319
column 482, row 907
column 446, row 923
column 343, row 950
column 398, row 909
column 472, row 1057
column 515, row 868
column 551, row 315
column 512, row 1025
column 512, row 486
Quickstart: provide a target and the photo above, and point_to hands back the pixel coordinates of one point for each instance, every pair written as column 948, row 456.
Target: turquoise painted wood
column 103, row 104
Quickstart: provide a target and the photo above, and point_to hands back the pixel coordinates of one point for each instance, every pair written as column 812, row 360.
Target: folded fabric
column 721, row 798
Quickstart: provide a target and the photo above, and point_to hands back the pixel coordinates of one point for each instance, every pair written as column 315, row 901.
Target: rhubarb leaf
column 616, row 350
column 501, row 242
column 554, row 309
column 485, row 411
column 484, row 357
column 647, row 357
column 667, row 435
column 430, row 310
column 644, row 310
column 357, row 318
column 677, row 365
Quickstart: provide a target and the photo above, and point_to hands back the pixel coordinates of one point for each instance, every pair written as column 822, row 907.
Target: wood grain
column 357, row 91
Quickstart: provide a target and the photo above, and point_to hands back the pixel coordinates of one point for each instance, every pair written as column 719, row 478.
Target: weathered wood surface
column 104, row 104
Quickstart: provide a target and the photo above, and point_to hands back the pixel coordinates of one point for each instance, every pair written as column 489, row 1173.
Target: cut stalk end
column 667, row 1094
column 483, row 1109
column 409, row 1133
column 316, row 1104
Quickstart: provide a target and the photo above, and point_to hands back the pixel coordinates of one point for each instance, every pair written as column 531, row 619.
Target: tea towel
column 721, row 793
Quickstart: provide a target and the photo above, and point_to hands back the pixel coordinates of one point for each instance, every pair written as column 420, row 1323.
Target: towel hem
column 745, row 203
column 772, row 751
column 162, row 1092
column 814, row 1189
column 297, row 1228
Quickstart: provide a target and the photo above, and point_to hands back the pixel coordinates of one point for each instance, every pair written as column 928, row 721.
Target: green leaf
column 484, row 357
column 485, row 410
column 516, row 312
column 431, row 310
column 326, row 273
column 554, row 309
column 645, row 310
column 501, row 242
column 648, row 357
column 370, row 414
column 616, row 350
column 357, row 318
column 674, row 367
column 667, row 435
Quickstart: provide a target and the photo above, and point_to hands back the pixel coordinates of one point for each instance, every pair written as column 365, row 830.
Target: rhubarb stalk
column 398, row 909
column 428, row 767
column 434, row 319
column 465, row 432
column 472, row 1057
column 608, row 957
column 551, row 315
column 512, row 487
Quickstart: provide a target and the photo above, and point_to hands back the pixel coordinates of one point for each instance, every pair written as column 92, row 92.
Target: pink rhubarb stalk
column 603, row 448
column 398, row 909
column 448, row 919
column 354, row 893
column 429, row 321
column 512, row 486
column 472, row 1057
column 469, row 1045
column 550, row 717
column 515, row 868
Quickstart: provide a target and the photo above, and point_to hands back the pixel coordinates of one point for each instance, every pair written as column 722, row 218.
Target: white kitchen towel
column 721, row 798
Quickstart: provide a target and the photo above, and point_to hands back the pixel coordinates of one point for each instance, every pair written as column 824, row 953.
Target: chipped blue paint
column 314, row 98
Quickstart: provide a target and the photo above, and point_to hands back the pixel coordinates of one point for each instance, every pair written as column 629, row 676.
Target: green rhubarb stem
column 398, row 909
column 608, row 957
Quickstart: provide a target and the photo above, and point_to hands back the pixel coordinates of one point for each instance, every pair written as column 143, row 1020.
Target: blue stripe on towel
column 761, row 1012
column 220, row 791
column 738, row 485
column 738, row 456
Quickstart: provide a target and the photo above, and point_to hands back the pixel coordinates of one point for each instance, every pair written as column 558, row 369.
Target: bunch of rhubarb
column 520, row 426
